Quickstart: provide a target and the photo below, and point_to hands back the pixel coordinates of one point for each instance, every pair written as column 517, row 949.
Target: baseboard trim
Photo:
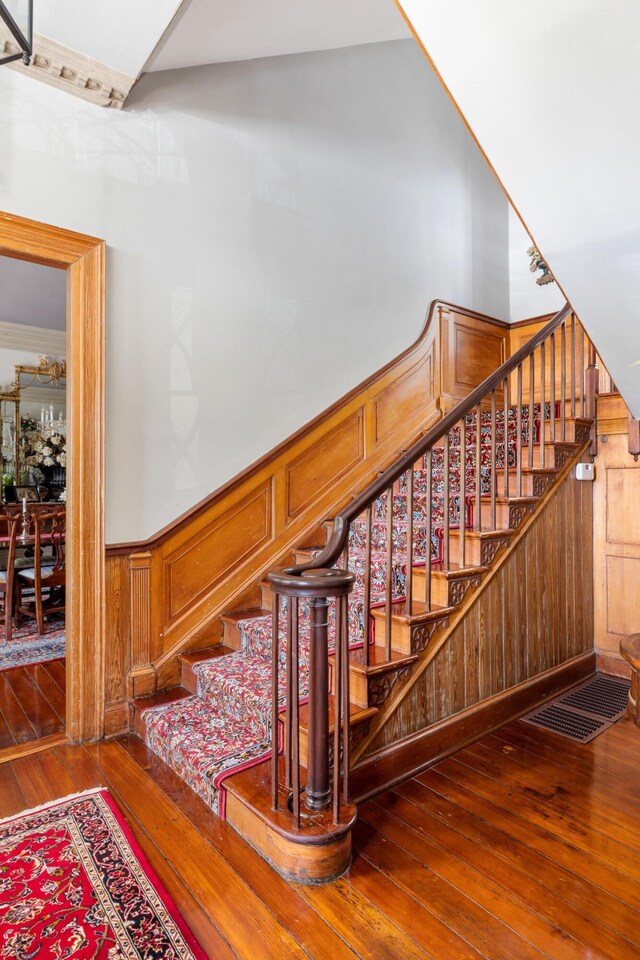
column 116, row 718
column 614, row 665
column 416, row 753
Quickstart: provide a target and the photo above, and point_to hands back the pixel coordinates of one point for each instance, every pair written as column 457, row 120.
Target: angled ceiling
column 215, row 31
column 551, row 92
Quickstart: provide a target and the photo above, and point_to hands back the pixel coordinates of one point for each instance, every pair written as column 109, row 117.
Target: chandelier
column 16, row 27
column 47, row 426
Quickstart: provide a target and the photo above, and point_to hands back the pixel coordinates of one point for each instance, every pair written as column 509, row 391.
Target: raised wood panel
column 404, row 400
column 470, row 350
column 520, row 334
column 118, row 628
column 140, row 606
column 616, row 531
column 535, row 614
column 622, row 514
column 476, row 356
column 219, row 548
column 623, row 580
column 323, row 465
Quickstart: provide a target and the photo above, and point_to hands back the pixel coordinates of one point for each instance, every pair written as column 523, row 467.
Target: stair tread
column 486, row 499
column 170, row 695
column 207, row 653
column 454, row 571
column 357, row 714
column 482, row 534
column 251, row 613
column 419, row 613
column 378, row 661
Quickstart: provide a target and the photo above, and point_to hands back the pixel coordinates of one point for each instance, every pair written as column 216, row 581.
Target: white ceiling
column 552, row 94
column 216, row 31
column 120, row 33
column 32, row 295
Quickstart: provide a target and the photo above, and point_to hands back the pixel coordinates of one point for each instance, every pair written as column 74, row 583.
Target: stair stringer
column 371, row 742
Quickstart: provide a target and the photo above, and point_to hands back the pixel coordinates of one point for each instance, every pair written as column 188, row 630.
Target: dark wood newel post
column 320, row 587
column 318, row 790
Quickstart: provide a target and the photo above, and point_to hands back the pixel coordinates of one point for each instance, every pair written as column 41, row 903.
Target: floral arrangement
column 45, row 451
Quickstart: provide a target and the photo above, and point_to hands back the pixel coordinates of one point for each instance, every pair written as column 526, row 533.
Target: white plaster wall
column 551, row 90
column 526, row 298
column 276, row 231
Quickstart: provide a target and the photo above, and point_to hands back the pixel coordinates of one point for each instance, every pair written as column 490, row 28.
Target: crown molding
column 43, row 396
column 58, row 66
column 40, row 340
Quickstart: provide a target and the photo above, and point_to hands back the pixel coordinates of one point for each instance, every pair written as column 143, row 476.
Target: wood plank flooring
column 32, row 703
column 521, row 846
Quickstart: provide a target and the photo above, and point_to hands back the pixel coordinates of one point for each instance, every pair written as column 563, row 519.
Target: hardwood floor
column 523, row 845
column 32, row 703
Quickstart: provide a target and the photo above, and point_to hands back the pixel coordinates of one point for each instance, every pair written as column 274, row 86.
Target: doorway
column 82, row 259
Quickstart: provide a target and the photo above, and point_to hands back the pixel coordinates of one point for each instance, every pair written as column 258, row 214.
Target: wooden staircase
column 399, row 623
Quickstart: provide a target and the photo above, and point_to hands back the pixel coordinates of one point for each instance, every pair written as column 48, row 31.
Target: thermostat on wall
column 585, row 471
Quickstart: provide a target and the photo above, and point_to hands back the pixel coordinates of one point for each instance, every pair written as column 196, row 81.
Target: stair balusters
column 455, row 467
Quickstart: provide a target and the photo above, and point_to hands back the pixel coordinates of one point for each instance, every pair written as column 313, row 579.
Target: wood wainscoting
column 165, row 595
column 524, row 636
column 616, row 536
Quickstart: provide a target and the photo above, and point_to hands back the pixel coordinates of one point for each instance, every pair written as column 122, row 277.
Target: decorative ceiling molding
column 43, row 396
column 69, row 70
column 19, row 336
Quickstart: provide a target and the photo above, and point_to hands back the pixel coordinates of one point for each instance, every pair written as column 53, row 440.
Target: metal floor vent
column 586, row 711
column 603, row 696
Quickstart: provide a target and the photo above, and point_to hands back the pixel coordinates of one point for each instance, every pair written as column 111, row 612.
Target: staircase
column 400, row 562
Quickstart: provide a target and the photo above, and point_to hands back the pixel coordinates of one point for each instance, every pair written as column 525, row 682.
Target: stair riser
column 408, row 638
column 231, row 635
column 188, row 678
column 556, row 455
column 575, row 431
column 445, row 592
column 266, row 597
column 532, row 485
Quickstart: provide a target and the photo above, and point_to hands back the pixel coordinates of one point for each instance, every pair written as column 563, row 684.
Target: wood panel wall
column 616, row 536
column 534, row 614
column 521, row 333
column 166, row 595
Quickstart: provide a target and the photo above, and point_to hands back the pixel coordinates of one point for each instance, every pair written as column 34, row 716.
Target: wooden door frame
column 83, row 259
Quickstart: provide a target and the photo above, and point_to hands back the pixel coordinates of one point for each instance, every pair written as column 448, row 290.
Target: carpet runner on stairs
column 226, row 726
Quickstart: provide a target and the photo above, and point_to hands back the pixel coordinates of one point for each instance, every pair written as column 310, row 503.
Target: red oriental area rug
column 74, row 883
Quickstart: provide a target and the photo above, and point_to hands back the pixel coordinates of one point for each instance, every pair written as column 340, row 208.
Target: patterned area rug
column 27, row 648
column 74, row 883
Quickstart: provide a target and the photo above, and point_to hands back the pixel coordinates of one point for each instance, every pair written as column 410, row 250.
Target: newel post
column 325, row 590
column 318, row 784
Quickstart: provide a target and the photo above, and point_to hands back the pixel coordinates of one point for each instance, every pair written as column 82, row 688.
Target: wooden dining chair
column 46, row 575
column 9, row 526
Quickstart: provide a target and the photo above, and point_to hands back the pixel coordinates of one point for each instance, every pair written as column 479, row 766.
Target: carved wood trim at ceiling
column 58, row 66
column 40, row 340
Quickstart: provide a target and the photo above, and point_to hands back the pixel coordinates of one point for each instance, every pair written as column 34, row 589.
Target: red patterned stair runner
column 227, row 725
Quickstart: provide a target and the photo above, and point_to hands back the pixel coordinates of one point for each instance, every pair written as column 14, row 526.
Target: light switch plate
column 585, row 471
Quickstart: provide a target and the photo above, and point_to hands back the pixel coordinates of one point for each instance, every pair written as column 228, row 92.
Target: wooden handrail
column 340, row 531
column 323, row 586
